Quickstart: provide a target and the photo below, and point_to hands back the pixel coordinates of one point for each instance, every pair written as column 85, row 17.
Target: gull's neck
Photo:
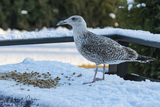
column 78, row 30
column 78, row 35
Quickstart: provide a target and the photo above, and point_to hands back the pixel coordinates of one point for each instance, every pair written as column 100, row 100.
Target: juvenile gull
column 100, row 49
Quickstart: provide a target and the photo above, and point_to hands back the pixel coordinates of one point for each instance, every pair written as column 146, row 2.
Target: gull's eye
column 74, row 18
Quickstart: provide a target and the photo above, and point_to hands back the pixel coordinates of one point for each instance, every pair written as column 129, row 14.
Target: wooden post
column 119, row 69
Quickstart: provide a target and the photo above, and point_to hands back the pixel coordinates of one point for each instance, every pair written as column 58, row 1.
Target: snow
column 112, row 92
column 53, row 52
column 145, row 35
column 142, row 4
column 64, row 32
column 24, row 12
column 112, row 15
column 116, row 24
column 9, row 31
column 44, row 33
column 130, row 1
column 121, row 7
column 130, row 4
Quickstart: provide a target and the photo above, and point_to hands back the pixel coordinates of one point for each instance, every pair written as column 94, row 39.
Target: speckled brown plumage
column 99, row 49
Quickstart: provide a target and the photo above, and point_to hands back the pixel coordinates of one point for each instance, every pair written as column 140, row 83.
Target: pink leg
column 104, row 68
column 94, row 79
column 97, row 79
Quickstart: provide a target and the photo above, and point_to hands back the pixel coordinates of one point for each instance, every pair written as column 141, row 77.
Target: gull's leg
column 97, row 79
column 94, row 79
column 104, row 68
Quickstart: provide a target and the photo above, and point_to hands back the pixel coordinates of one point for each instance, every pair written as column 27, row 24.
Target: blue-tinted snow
column 113, row 92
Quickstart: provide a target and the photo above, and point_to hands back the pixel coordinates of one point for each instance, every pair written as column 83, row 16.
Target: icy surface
column 113, row 92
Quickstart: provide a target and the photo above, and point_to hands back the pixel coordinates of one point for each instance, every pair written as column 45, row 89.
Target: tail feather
column 144, row 59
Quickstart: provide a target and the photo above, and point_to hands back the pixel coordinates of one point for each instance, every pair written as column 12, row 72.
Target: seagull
column 100, row 49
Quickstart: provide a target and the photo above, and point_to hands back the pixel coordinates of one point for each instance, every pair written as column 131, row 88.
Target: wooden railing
column 120, row 69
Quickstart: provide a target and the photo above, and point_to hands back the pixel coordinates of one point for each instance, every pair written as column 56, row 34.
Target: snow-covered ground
column 70, row 91
column 113, row 92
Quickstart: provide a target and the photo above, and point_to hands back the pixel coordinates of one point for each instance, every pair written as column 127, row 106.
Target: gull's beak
column 63, row 22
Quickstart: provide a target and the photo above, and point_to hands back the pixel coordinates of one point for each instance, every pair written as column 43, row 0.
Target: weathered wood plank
column 119, row 69
column 35, row 41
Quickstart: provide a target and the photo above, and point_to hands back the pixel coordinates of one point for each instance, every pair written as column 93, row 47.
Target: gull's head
column 74, row 21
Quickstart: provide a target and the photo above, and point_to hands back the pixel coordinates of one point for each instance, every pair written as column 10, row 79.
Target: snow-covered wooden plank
column 64, row 35
column 140, row 41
